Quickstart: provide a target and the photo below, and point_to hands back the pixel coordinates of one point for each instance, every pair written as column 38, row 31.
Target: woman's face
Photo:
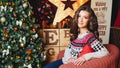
column 83, row 19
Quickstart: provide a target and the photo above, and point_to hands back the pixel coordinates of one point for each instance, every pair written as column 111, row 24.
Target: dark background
column 115, row 8
column 40, row 3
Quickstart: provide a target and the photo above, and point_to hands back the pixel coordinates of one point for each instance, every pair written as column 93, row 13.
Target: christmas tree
column 20, row 43
column 44, row 12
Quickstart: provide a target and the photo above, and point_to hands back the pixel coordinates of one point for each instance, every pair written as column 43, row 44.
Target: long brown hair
column 92, row 26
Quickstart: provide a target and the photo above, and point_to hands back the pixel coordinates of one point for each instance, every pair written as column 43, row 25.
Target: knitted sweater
column 76, row 46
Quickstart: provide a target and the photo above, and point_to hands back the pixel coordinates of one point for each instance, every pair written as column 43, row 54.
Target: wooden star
column 62, row 8
column 68, row 3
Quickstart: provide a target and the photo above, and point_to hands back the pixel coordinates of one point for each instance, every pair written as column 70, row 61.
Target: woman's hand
column 79, row 61
column 71, row 60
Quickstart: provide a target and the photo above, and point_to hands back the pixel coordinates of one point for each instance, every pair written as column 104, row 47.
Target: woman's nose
column 81, row 19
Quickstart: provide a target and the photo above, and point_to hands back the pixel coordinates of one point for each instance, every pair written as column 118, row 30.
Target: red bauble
column 6, row 36
column 34, row 29
column 15, row 15
column 29, row 51
column 15, row 28
column 5, row 30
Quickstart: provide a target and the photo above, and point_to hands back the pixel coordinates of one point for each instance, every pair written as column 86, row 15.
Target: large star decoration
column 68, row 3
column 63, row 11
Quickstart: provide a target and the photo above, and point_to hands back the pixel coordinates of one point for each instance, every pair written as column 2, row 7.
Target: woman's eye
column 86, row 17
column 79, row 16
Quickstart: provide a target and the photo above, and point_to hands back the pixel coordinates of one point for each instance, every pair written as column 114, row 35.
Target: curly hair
column 92, row 26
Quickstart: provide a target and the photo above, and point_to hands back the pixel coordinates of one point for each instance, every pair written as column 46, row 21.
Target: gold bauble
column 21, row 45
column 0, row 3
column 13, row 4
column 17, row 57
column 23, row 19
column 29, row 58
column 25, row 5
column 3, row 19
column 7, row 3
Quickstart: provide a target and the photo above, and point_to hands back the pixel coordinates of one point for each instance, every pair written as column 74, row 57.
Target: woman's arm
column 99, row 49
column 67, row 55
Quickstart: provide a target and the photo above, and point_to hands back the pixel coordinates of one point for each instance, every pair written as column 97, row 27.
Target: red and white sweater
column 76, row 46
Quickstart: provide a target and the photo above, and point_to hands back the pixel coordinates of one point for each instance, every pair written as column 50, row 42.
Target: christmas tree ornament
column 3, row 19
column 19, row 23
column 7, row 3
column 22, row 45
column 24, row 39
column 29, row 58
column 25, row 5
column 23, row 12
column 33, row 29
column 15, row 15
column 35, row 36
column 15, row 28
column 6, row 36
column 9, row 47
column 5, row 52
column 11, row 9
column 29, row 51
column 23, row 19
column 13, row 4
column 31, row 39
column 3, row 8
column 43, row 55
column 5, row 30
column 0, row 3
column 17, row 57
column 27, row 66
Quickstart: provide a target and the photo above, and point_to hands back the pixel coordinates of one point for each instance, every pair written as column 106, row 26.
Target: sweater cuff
column 64, row 60
column 88, row 56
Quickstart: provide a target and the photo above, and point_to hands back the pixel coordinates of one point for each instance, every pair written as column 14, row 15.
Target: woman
column 84, row 34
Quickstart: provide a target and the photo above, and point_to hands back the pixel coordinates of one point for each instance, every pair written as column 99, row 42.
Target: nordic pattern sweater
column 75, row 47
